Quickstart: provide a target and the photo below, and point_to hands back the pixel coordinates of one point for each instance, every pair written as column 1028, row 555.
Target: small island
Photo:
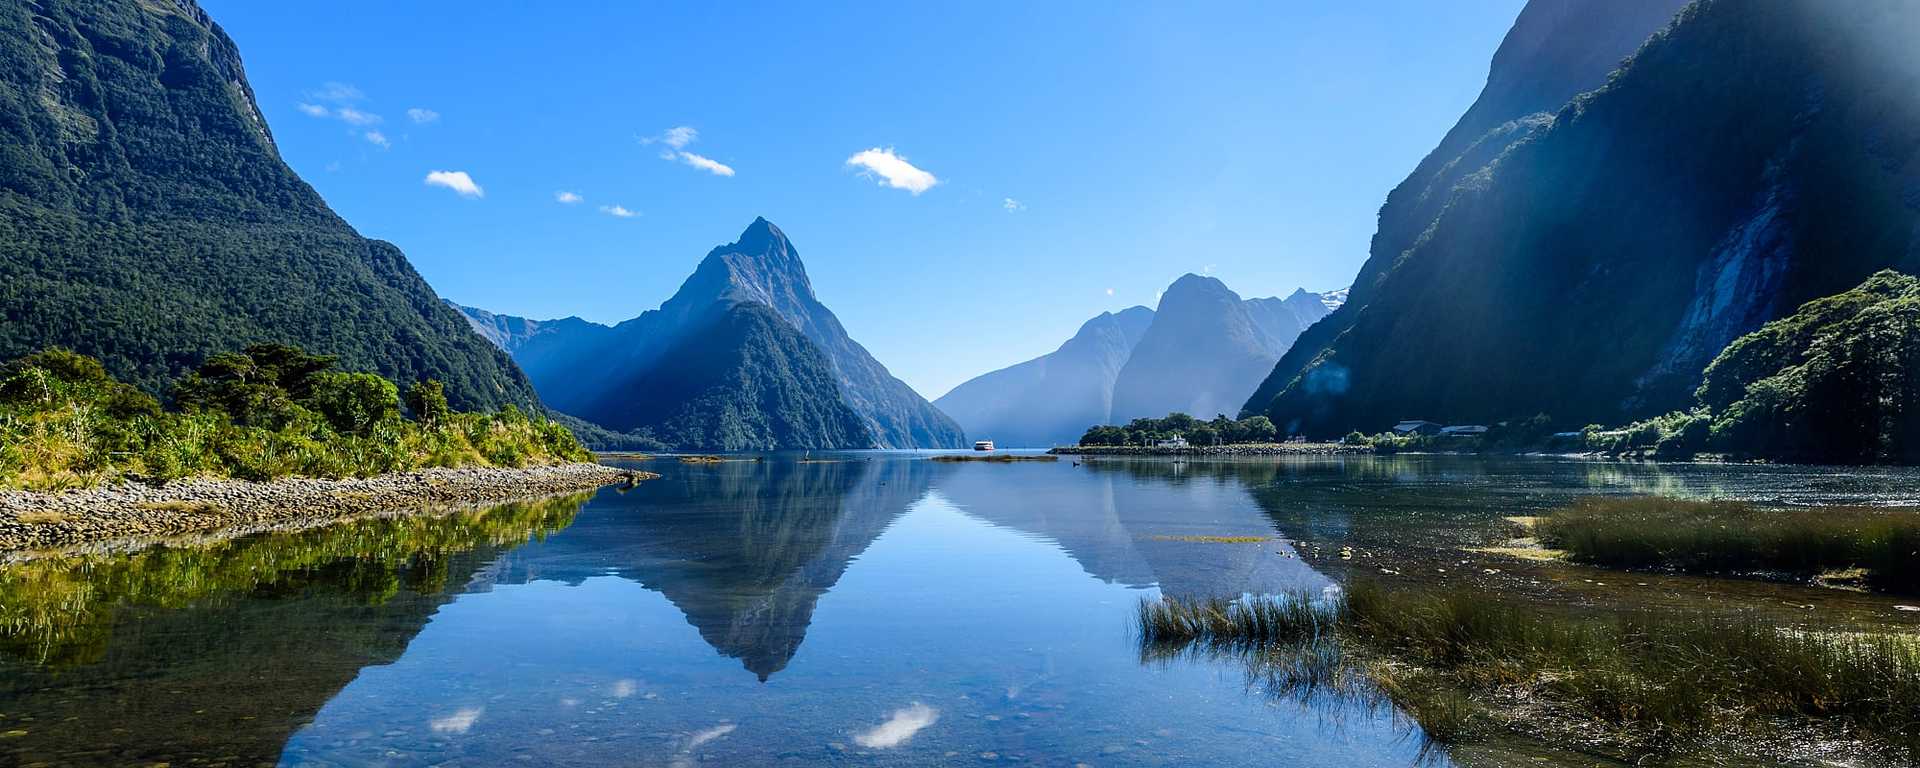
column 1180, row 434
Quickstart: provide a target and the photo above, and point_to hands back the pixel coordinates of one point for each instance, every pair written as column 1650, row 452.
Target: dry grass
column 42, row 517
column 181, row 506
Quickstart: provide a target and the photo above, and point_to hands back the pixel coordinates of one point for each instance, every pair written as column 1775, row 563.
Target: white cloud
column 458, row 181
column 706, row 164
column 677, row 137
column 1109, row 291
column 336, row 91
column 314, row 110
column 460, row 721
column 1012, row 205
column 567, row 198
column 709, row 734
column 421, row 116
column 379, row 139
column 892, row 170
column 619, row 212
column 352, row 116
column 899, row 728
column 624, row 687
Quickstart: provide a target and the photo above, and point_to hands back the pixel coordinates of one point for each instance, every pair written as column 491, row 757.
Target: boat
column 983, row 445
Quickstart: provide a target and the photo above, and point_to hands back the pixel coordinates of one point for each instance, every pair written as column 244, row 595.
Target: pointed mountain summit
column 147, row 219
column 792, row 390
column 1053, row 398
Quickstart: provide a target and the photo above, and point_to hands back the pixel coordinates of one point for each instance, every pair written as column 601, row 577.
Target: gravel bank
column 32, row 520
column 1260, row 449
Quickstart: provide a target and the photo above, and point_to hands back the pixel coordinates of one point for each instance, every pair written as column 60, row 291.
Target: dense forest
column 266, row 412
column 147, row 220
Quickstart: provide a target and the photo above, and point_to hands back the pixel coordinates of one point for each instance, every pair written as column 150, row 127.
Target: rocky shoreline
column 130, row 512
column 1254, row 449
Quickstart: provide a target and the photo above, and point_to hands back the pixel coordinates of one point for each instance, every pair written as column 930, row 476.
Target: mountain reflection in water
column 879, row 603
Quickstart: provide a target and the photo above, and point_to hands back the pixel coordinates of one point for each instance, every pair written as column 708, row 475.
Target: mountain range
column 1588, row 262
column 1201, row 352
column 742, row 356
column 147, row 219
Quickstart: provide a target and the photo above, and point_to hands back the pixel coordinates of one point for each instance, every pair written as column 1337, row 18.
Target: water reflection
column 884, row 609
column 225, row 649
column 743, row 549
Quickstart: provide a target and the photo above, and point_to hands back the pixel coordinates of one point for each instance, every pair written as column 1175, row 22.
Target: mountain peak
column 761, row 236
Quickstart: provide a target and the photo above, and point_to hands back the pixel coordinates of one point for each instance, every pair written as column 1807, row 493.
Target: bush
column 267, row 412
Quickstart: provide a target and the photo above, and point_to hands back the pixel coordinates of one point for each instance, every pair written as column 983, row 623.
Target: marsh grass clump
column 1731, row 537
column 266, row 412
column 1666, row 681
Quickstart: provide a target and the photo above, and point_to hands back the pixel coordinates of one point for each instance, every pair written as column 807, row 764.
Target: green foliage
column 428, row 402
column 147, row 220
column 1221, row 430
column 262, row 413
column 1730, row 537
column 1837, row 381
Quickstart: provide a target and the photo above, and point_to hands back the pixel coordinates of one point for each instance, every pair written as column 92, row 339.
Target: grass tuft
column 1733, row 537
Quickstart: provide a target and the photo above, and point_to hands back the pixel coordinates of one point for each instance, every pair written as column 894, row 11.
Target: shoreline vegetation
column 1235, row 449
column 1465, row 664
column 1879, row 547
column 128, row 514
column 267, row 412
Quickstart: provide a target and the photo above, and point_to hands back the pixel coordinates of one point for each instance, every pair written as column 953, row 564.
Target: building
column 1411, row 427
column 1464, row 430
column 1174, row 442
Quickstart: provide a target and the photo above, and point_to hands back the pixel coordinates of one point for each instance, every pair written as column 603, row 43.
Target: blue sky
column 1080, row 155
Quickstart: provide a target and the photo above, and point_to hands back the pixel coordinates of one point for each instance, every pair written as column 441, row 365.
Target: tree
column 428, row 402
column 354, row 403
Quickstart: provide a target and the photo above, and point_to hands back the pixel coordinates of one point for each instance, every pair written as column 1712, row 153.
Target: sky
column 967, row 183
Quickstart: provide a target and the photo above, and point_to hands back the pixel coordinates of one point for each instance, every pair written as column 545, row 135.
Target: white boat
column 983, row 445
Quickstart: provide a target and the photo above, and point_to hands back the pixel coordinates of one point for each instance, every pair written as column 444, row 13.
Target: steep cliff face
column 1555, row 50
column 147, row 219
column 1747, row 159
column 1053, row 398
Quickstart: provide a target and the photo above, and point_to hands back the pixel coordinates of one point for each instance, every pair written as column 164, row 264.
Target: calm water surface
column 846, row 609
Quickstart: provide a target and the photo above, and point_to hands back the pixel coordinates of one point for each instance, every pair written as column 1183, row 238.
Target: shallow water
column 860, row 608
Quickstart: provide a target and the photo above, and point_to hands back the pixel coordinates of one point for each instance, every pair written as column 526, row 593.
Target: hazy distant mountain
column 1207, row 349
column 146, row 217
column 612, row 375
column 1748, row 158
column 1052, row 398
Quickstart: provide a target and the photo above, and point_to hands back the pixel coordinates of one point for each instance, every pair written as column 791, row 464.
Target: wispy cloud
column 567, row 198
column 314, row 110
column 899, row 727
column 1012, row 205
column 378, row 139
column 422, row 116
column 892, row 170
column 336, row 92
column 676, row 140
column 460, row 721
column 352, row 116
column 618, row 212
column 1109, row 291
column 677, row 137
column 458, row 181
column 704, row 163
